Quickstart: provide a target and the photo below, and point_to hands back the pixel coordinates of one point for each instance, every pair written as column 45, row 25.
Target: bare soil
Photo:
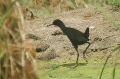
column 56, row 46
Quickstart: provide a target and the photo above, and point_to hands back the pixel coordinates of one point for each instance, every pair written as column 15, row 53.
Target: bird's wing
column 75, row 35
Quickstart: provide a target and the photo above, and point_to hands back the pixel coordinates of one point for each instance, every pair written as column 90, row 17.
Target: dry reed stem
column 17, row 61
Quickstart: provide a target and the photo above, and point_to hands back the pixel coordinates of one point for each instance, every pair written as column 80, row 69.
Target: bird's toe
column 74, row 65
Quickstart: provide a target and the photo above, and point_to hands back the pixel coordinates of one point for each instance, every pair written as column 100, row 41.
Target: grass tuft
column 74, row 4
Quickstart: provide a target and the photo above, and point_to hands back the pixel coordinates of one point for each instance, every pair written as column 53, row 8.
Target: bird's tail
column 86, row 34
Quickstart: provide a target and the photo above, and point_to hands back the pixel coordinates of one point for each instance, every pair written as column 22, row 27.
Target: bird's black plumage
column 75, row 36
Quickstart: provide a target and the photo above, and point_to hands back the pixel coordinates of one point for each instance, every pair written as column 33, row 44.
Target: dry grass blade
column 16, row 57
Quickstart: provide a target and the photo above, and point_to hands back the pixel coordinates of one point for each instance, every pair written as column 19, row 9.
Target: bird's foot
column 75, row 65
column 85, row 59
column 87, row 55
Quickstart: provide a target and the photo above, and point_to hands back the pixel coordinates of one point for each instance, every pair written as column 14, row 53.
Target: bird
column 76, row 37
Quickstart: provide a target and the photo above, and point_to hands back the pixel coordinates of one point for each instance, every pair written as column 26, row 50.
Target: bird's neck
column 63, row 27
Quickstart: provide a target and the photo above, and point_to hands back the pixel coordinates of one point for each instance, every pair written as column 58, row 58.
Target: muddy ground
column 55, row 45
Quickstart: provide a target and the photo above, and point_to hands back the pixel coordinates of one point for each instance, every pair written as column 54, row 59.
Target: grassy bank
column 90, row 70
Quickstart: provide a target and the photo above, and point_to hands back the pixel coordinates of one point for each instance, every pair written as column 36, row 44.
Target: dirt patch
column 105, row 35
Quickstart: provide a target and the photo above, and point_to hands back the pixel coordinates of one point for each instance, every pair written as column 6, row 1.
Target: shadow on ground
column 70, row 65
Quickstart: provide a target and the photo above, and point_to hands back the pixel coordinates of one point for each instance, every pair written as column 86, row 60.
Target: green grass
column 85, row 70
column 73, row 3
column 115, row 3
column 7, row 13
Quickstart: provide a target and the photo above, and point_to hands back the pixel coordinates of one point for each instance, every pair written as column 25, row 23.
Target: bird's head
column 56, row 22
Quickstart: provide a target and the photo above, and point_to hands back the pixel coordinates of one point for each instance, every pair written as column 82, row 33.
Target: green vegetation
column 83, row 71
column 7, row 13
column 115, row 3
column 74, row 4
column 46, row 7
